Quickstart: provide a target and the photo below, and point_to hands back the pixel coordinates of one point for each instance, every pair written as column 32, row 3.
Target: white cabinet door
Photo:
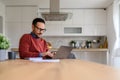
column 78, row 17
column 95, row 16
column 100, row 16
column 28, row 13
column 89, row 15
column 1, row 24
column 26, row 27
column 54, row 30
column 21, row 14
column 89, row 30
column 13, row 31
column 13, row 14
column 95, row 56
column 18, row 22
column 95, row 22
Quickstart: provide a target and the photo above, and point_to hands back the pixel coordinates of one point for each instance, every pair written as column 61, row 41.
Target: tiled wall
column 57, row 41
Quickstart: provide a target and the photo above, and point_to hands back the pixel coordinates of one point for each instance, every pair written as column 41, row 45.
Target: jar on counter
column 83, row 44
column 88, row 44
column 77, row 45
column 73, row 43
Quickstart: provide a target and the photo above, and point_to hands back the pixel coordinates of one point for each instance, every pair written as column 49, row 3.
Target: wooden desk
column 63, row 70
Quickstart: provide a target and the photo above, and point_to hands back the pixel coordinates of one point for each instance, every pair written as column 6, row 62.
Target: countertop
column 84, row 49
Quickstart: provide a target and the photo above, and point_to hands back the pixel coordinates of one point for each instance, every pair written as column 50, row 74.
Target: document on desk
column 43, row 60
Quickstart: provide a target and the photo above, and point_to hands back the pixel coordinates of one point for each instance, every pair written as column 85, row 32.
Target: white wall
column 2, row 18
column 112, row 32
column 110, row 28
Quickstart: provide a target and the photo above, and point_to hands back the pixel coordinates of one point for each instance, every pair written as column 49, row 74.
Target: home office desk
column 63, row 70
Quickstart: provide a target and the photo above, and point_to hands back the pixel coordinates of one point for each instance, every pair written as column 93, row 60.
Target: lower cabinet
column 95, row 56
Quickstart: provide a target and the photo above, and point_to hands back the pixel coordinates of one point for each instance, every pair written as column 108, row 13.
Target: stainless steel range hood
column 54, row 14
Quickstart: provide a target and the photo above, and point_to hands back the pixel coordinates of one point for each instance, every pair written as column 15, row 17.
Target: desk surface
column 63, row 70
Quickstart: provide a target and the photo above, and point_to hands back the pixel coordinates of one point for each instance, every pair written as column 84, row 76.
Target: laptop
column 63, row 52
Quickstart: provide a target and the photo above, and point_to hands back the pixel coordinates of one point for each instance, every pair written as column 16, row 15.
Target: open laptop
column 63, row 52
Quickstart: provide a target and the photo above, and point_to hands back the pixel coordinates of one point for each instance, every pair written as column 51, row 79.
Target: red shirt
column 30, row 46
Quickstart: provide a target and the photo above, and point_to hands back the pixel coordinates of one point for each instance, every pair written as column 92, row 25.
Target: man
column 32, row 45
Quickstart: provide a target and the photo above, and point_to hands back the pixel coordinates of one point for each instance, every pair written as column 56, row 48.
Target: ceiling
column 63, row 3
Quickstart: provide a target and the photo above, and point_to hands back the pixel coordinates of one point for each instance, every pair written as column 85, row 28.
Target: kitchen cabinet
column 78, row 17
column 1, row 24
column 91, row 21
column 18, row 22
column 98, row 55
column 95, row 22
column 94, row 56
column 28, row 13
column 20, row 13
column 95, row 16
column 2, row 18
column 13, row 14
column 54, row 30
column 13, row 32
column 95, row 30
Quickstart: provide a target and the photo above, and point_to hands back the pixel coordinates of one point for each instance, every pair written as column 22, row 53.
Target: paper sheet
column 43, row 60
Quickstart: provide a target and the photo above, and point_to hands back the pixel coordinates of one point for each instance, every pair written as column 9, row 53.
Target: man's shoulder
column 43, row 40
column 26, row 35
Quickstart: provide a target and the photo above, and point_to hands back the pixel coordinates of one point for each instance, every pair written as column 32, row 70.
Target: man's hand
column 49, row 54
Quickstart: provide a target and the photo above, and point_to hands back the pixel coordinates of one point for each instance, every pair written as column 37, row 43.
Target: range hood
column 54, row 14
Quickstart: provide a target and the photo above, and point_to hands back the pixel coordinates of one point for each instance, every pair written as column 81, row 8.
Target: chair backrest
column 63, row 52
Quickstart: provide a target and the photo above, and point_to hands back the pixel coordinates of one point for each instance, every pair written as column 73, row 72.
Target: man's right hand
column 50, row 54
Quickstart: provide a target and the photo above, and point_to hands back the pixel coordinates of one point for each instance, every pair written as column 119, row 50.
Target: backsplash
column 57, row 41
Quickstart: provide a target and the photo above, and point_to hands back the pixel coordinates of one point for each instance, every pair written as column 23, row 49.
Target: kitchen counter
column 99, row 55
column 84, row 49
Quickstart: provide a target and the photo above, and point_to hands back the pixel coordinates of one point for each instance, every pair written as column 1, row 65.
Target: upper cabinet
column 54, row 30
column 20, row 14
column 95, row 22
column 91, row 21
column 13, row 14
column 78, row 17
column 18, row 22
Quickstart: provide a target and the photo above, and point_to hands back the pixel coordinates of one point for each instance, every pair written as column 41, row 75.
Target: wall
column 112, row 32
column 19, row 19
column 57, row 41
column 2, row 18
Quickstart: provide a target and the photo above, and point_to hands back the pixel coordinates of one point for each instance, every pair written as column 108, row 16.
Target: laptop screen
column 63, row 52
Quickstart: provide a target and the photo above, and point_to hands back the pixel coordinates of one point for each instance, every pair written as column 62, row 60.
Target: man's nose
column 41, row 31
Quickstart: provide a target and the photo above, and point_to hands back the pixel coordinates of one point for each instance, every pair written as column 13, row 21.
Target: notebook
column 63, row 52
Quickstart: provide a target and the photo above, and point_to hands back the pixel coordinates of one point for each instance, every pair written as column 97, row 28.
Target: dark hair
column 38, row 20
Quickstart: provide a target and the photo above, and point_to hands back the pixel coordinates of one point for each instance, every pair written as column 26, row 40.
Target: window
column 119, row 20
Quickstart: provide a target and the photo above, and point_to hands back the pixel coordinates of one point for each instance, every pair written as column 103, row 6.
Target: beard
column 39, row 35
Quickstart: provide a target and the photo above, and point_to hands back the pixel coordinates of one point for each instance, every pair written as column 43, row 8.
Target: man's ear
column 33, row 27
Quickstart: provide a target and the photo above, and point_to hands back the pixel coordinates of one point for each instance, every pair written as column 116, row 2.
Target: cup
column 11, row 55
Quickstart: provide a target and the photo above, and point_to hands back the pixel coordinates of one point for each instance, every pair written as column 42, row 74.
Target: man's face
column 39, row 29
